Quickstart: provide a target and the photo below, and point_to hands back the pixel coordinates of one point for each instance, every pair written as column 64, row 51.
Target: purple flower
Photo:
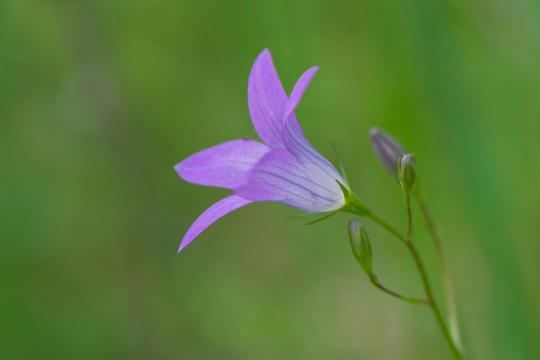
column 283, row 168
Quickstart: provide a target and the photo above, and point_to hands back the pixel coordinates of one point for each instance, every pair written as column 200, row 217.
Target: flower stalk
column 407, row 241
column 447, row 277
column 401, row 165
column 425, row 281
column 407, row 179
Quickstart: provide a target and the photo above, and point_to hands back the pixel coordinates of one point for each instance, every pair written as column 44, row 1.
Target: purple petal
column 223, row 165
column 211, row 215
column 279, row 176
column 298, row 91
column 306, row 154
column 294, row 139
column 266, row 100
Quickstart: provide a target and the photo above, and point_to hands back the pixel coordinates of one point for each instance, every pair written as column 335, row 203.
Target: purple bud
column 387, row 149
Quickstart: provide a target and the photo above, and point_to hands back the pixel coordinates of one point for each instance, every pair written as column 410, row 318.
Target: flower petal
column 299, row 88
column 211, row 215
column 223, row 165
column 279, row 176
column 293, row 135
column 266, row 100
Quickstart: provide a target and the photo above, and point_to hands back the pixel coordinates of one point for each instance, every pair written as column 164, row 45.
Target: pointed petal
column 211, row 215
column 223, row 165
column 293, row 135
column 299, row 88
column 279, row 176
column 266, row 100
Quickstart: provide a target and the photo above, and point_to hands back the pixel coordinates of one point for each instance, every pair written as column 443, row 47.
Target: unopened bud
column 360, row 245
column 387, row 149
column 407, row 173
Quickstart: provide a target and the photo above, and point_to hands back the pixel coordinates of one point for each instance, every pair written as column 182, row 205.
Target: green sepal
column 324, row 217
column 353, row 204
column 407, row 173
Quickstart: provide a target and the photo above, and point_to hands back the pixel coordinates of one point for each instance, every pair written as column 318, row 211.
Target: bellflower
column 283, row 168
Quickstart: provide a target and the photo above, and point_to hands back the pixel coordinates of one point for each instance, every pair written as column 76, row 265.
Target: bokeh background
column 99, row 99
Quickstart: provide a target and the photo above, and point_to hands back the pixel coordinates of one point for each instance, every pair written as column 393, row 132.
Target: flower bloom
column 284, row 167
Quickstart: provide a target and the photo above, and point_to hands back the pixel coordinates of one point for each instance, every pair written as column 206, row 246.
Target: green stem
column 447, row 278
column 409, row 218
column 434, row 306
column 386, row 226
column 399, row 296
column 423, row 274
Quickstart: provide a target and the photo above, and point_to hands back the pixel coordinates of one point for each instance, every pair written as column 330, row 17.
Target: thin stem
column 447, row 278
column 408, row 299
column 423, row 274
column 434, row 306
column 425, row 279
column 409, row 218
column 387, row 226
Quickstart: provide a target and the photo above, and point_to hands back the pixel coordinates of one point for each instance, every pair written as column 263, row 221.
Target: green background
column 99, row 99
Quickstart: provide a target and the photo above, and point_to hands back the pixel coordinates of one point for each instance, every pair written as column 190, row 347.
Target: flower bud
column 406, row 172
column 387, row 149
column 360, row 245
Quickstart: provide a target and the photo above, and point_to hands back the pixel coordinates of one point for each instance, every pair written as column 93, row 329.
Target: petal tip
column 182, row 246
column 374, row 132
column 264, row 56
column 265, row 52
column 186, row 240
column 179, row 168
column 210, row 216
column 313, row 69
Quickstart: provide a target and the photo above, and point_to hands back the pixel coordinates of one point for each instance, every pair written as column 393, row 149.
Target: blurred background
column 99, row 99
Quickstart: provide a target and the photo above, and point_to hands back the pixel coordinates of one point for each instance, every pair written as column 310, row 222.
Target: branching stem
column 408, row 299
column 407, row 240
